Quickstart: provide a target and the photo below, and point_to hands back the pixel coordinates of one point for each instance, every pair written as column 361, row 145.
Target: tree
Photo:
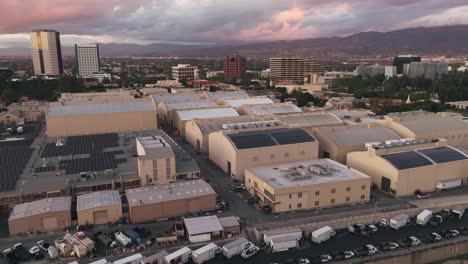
column 9, row 94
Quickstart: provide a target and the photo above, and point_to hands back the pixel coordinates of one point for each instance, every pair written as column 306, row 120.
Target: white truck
column 323, row 234
column 236, row 247
column 181, row 256
column 448, row 184
column 283, row 243
column 123, row 239
column 424, row 217
column 399, row 221
column 133, row 259
column 205, row 253
column 458, row 211
column 53, row 252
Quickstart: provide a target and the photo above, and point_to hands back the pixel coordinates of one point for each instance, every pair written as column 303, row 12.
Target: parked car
column 365, row 251
column 43, row 245
column 322, row 259
column 386, row 246
column 436, row 220
column 9, row 253
column 34, row 250
column 303, row 261
column 266, row 208
column 423, row 195
column 343, row 255
column 450, row 233
column 411, row 241
column 239, row 187
column 250, row 252
column 21, row 252
column 433, row 237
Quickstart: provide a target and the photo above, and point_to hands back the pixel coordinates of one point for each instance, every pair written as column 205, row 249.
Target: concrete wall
column 87, row 216
column 193, row 134
column 34, row 223
column 150, row 212
column 61, row 126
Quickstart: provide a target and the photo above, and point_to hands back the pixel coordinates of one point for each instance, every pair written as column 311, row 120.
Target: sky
column 216, row 21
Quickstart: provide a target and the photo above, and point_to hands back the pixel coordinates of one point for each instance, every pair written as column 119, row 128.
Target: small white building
column 201, row 229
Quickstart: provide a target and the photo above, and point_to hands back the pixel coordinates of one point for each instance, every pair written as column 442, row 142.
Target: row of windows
column 348, row 189
column 332, row 201
column 285, row 155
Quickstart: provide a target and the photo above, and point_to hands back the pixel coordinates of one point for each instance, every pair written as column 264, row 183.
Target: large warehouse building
column 268, row 109
column 402, row 167
column 176, row 199
column 197, row 130
column 184, row 116
column 166, row 111
column 337, row 142
column 75, row 120
column 41, row 215
column 100, row 207
column 305, row 185
column 422, row 125
column 235, row 150
column 309, row 120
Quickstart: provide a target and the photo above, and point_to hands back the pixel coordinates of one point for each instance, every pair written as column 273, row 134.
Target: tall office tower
column 46, row 52
column 234, row 67
column 293, row 69
column 428, row 69
column 87, row 59
column 401, row 60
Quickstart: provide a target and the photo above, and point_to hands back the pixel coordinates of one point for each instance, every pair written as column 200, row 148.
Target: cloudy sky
column 217, row 21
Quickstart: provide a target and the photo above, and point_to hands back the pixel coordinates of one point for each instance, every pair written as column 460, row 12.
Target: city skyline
column 182, row 22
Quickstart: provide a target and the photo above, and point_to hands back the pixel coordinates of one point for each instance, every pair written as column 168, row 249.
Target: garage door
column 49, row 223
column 100, row 217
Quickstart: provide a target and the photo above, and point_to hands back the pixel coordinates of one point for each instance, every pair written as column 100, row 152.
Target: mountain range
column 444, row 40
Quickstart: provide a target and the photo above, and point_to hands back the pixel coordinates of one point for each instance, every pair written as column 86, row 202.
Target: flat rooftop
column 297, row 174
column 359, row 135
column 306, row 120
column 175, row 98
column 47, row 205
column 223, row 95
column 186, row 115
column 98, row 199
column 190, row 104
column 247, row 101
column 436, row 124
column 210, row 125
column 203, row 225
column 272, row 109
column 92, row 109
column 154, row 147
column 168, row 192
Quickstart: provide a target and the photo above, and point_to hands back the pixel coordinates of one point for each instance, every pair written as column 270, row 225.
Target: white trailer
column 423, row 217
column 399, row 221
column 133, row 259
column 181, row 256
column 123, row 239
column 283, row 243
column 236, row 247
column 268, row 235
column 448, row 184
column 205, row 253
column 458, row 211
column 323, row 234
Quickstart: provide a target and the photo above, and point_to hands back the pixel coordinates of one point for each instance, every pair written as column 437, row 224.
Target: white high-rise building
column 185, row 72
column 87, row 59
column 46, row 52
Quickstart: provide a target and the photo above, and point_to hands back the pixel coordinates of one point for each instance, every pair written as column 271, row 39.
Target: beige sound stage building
column 183, row 116
column 306, row 185
column 337, row 142
column 176, row 199
column 99, row 207
column 402, row 167
column 41, row 215
column 198, row 130
column 311, row 120
column 238, row 149
column 166, row 111
column 74, row 120
column 268, row 109
column 422, row 125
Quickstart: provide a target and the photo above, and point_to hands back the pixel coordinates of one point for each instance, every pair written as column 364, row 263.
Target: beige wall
column 59, row 126
column 87, row 216
column 193, row 135
column 34, row 223
column 150, row 212
column 146, row 171
column 221, row 151
column 306, row 197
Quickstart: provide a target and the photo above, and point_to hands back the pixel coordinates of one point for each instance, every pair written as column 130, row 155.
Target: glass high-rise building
column 87, row 59
column 400, row 60
column 46, row 52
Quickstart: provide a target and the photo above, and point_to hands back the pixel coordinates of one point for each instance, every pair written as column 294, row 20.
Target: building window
column 289, row 206
column 332, row 201
column 272, row 156
column 317, row 193
column 363, row 187
column 317, row 203
column 286, row 154
column 299, row 195
column 348, row 189
column 168, row 169
column 347, row 199
column 363, row 197
column 249, row 180
column 302, row 153
column 333, row 190
column 299, row 205
column 255, row 158
column 290, row 196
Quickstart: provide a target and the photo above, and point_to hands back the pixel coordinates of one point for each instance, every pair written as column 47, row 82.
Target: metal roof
column 98, row 199
column 91, row 109
column 186, row 115
column 268, row 138
column 235, row 243
column 443, row 154
column 190, row 104
column 175, row 98
column 359, row 135
column 228, row 221
column 47, row 205
column 311, row 120
column 210, row 125
column 202, row 225
column 223, row 95
column 271, row 109
column 407, row 160
column 168, row 192
column 247, row 101
column 433, row 125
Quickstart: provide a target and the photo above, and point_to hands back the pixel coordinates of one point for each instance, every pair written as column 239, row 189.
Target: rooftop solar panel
column 443, row 154
column 252, row 140
column 407, row 160
column 266, row 138
column 292, row 137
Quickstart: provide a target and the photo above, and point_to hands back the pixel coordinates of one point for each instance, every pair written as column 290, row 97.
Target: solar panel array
column 267, row 138
column 407, row 160
column 443, row 154
column 13, row 158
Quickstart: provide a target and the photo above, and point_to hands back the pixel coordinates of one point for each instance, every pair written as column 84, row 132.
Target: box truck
column 449, row 184
column 283, row 243
column 133, row 259
column 323, row 234
column 205, row 253
column 424, row 217
column 181, row 256
column 236, row 247
column 123, row 239
column 458, row 211
column 399, row 221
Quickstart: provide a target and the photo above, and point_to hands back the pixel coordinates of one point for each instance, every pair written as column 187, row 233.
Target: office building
column 401, row 167
column 293, row 69
column 401, row 60
column 427, row 69
column 185, row 72
column 234, row 67
column 156, row 161
column 99, row 207
column 306, row 185
column 46, row 52
column 87, row 59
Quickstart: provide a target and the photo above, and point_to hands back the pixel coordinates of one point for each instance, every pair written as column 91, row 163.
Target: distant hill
column 445, row 40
